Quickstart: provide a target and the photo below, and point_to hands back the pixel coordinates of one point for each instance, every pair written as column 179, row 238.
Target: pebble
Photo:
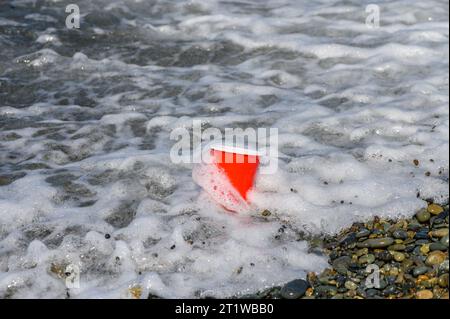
column 363, row 233
column 399, row 257
column 443, row 280
column 425, row 249
column 435, row 209
column 400, row 234
column 423, row 215
column 294, row 289
column 366, row 259
column 370, row 293
column 422, row 241
column 406, row 265
column 341, row 264
column 397, row 247
column 384, row 256
column 439, row 233
column 438, row 246
column 421, row 235
column 444, row 266
column 376, row 242
column 435, row 258
column 350, row 285
column 414, row 226
column 361, row 252
column 325, row 280
column 444, row 241
column 420, row 270
column 390, row 290
column 424, row 294
column 266, row 213
column 326, row 290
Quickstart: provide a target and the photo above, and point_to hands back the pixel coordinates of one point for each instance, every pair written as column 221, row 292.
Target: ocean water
column 86, row 116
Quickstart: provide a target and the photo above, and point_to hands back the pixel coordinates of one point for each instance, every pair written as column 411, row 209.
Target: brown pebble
column 424, row 294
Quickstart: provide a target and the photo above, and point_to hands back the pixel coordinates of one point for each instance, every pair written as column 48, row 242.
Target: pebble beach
column 410, row 255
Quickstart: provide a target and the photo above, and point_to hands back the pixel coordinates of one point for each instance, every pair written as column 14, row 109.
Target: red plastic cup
column 228, row 175
column 238, row 165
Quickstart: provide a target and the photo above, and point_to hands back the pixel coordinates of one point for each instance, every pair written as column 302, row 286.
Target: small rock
column 341, row 264
column 406, row 265
column 435, row 209
column 400, row 234
column 414, row 226
column 361, row 252
column 420, row 270
column 326, row 290
column 348, row 240
column 444, row 241
column 390, row 290
column 439, row 233
column 294, row 289
column 384, row 256
column 424, row 294
column 370, row 293
column 438, row 246
column 399, row 257
column 435, row 258
column 363, row 233
column 350, row 285
column 266, row 213
column 397, row 247
column 376, row 242
column 325, row 280
column 443, row 281
column 366, row 259
column 421, row 235
column 443, row 267
column 423, row 215
column 425, row 249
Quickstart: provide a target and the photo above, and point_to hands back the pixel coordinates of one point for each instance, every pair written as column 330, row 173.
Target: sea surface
column 87, row 185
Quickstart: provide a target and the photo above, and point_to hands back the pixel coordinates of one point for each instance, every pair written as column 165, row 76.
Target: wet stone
column 423, row 215
column 424, row 294
column 435, row 209
column 420, row 270
column 439, row 233
column 414, row 226
column 363, row 233
column 341, row 264
column 421, row 235
column 444, row 241
column 438, row 246
column 443, row 281
column 325, row 291
column 435, row 258
column 294, row 289
column 384, row 256
column 397, row 247
column 376, row 242
column 366, row 259
column 400, row 234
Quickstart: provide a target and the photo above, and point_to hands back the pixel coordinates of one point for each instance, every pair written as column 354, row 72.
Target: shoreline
column 380, row 259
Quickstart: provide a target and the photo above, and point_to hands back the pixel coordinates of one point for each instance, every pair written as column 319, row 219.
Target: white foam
column 354, row 106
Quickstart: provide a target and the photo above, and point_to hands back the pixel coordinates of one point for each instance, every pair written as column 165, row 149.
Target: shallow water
column 85, row 119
